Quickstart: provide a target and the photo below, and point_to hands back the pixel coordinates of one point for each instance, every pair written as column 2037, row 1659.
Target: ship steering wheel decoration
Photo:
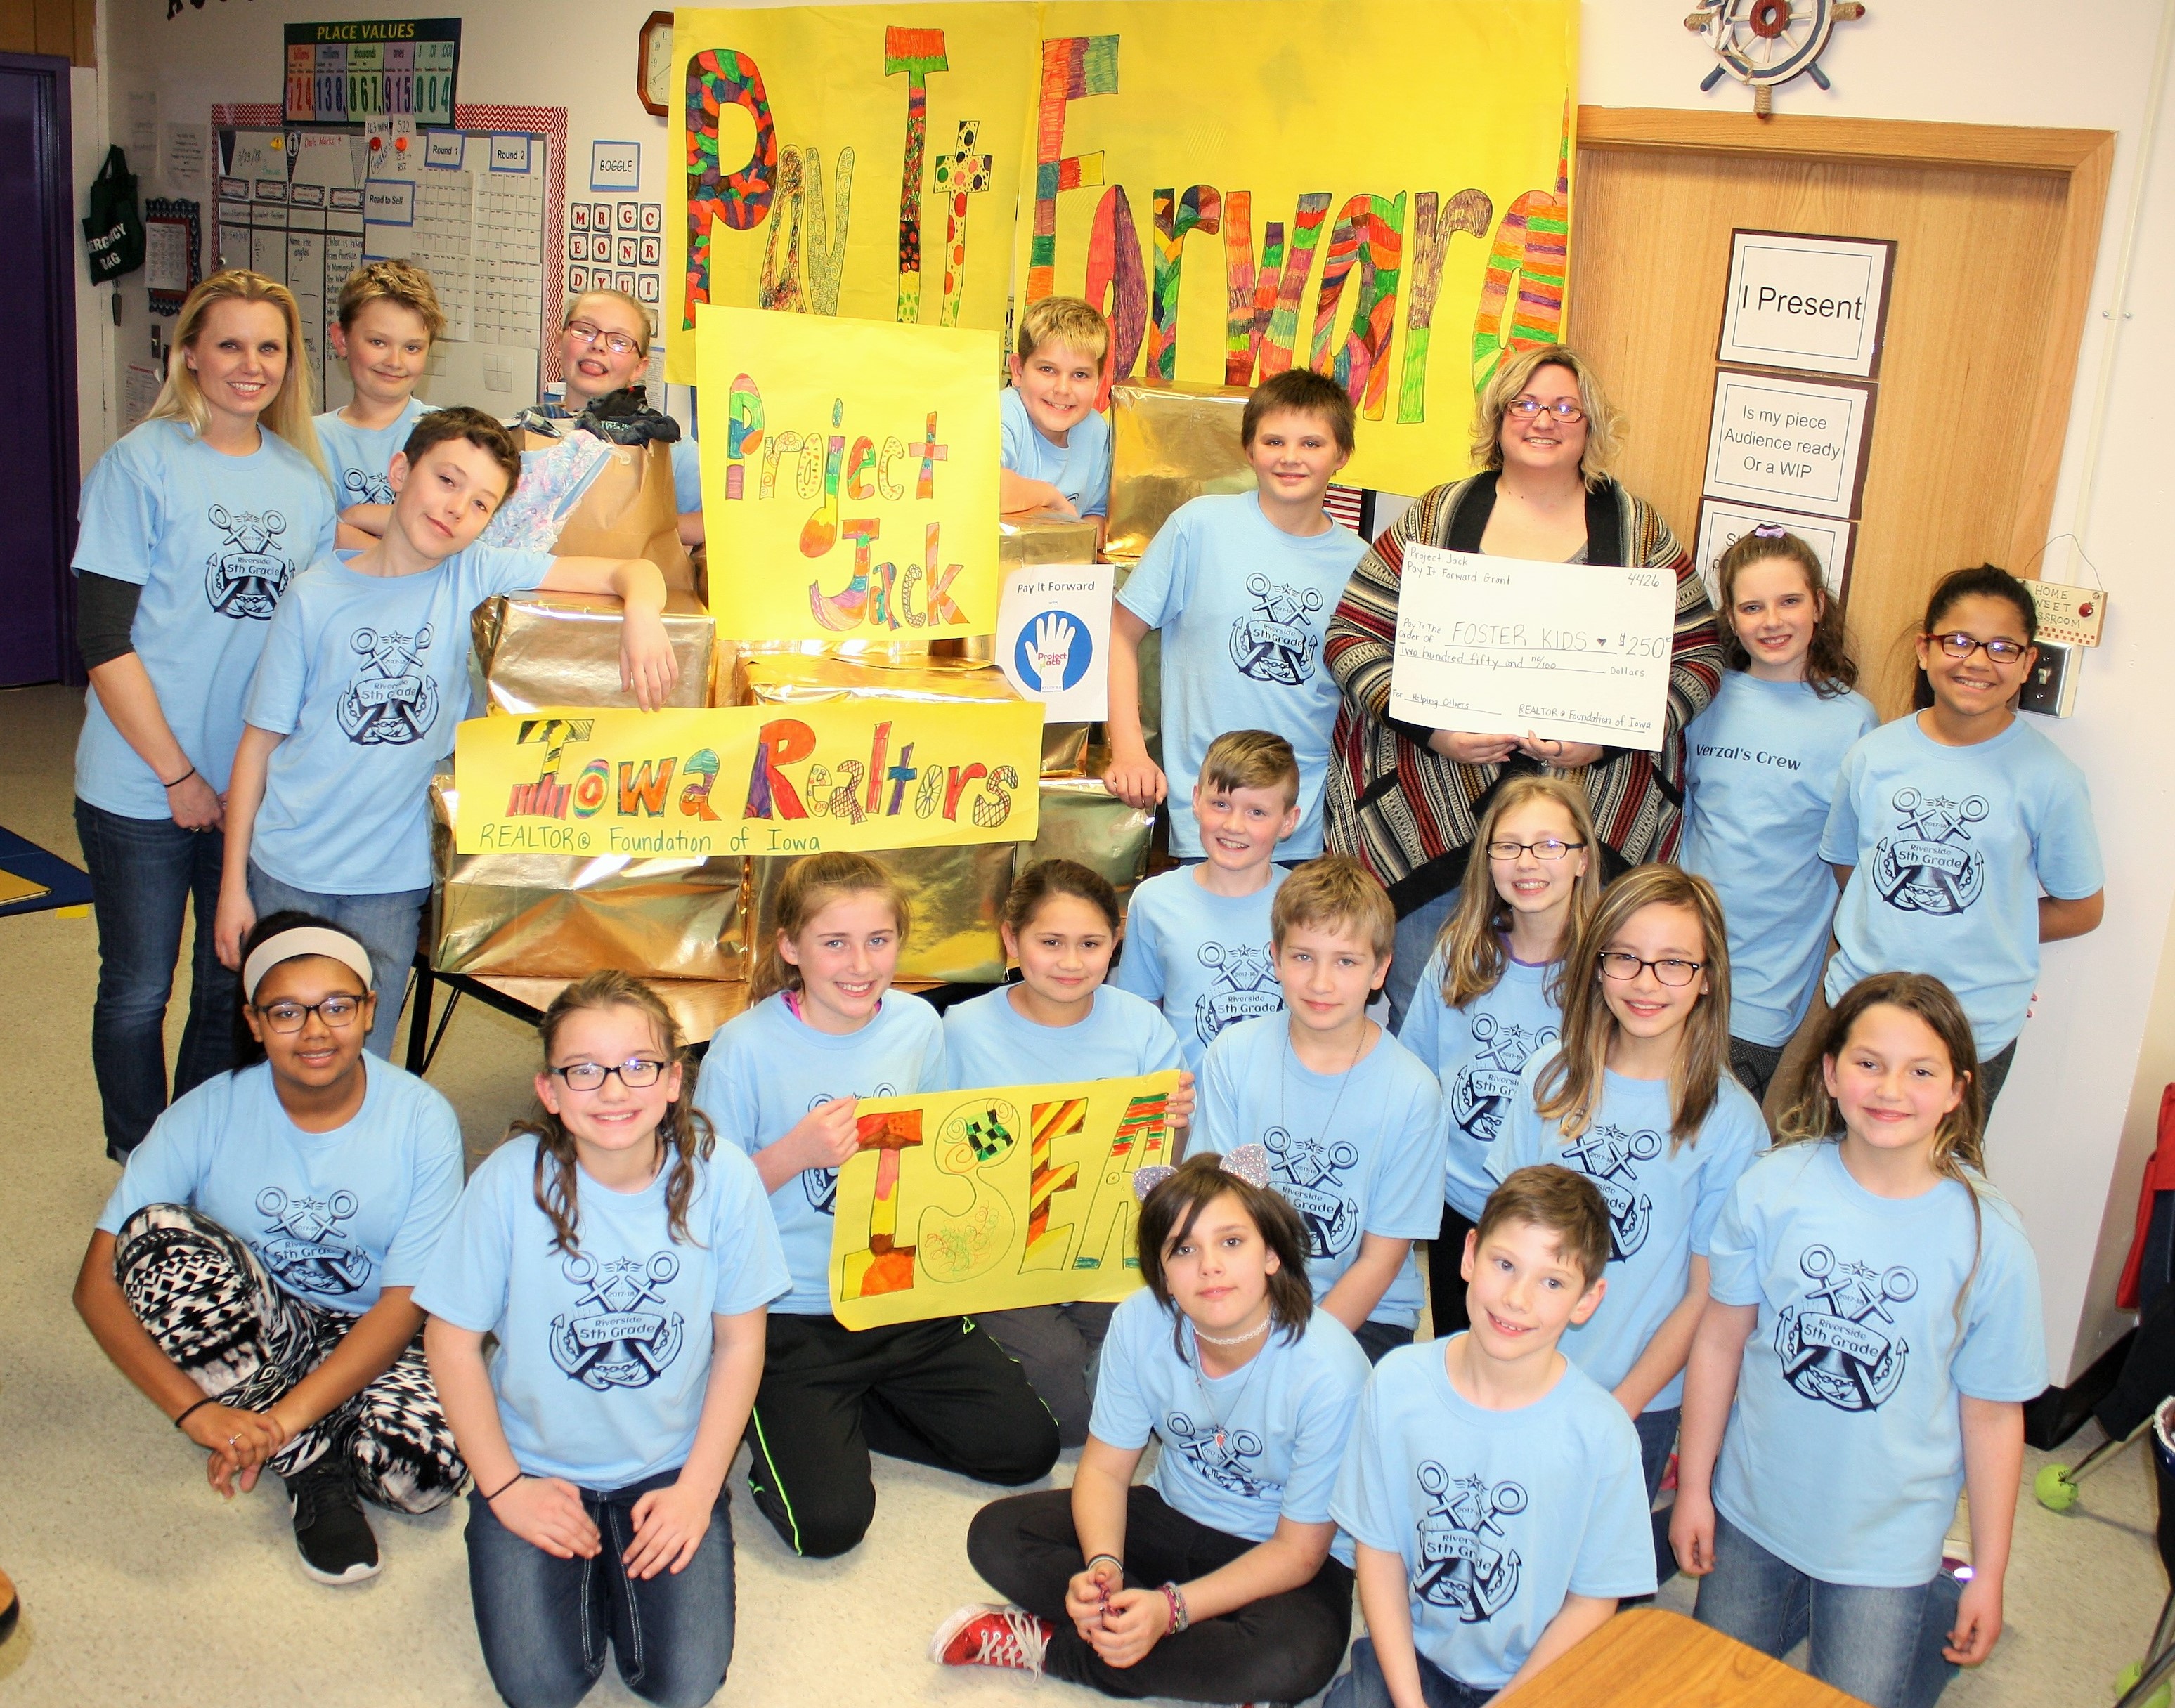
column 1762, row 43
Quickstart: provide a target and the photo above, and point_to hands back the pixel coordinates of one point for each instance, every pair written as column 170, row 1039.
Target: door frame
column 2082, row 158
column 52, row 167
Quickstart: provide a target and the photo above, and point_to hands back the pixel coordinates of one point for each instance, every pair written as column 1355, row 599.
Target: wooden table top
column 1650, row 1658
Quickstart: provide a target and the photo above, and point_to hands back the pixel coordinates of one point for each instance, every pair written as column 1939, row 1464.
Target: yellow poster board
column 851, row 492
column 853, row 775
column 972, row 1200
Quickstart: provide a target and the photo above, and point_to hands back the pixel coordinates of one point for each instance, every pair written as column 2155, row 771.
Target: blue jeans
column 1364, row 1686
column 1416, row 935
column 544, row 1622
column 1881, row 1646
column 386, row 925
column 144, row 872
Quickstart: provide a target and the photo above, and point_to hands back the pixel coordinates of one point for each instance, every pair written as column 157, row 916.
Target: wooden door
column 1995, row 231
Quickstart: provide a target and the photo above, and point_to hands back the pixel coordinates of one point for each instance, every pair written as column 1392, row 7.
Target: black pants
column 1279, row 1649
column 1754, row 1065
column 939, row 1393
column 1993, row 1072
column 1445, row 1283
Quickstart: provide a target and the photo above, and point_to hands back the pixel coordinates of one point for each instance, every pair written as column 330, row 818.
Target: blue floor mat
column 65, row 885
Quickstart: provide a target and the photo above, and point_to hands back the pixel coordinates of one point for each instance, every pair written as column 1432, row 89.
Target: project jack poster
column 864, row 775
column 962, row 1201
column 852, row 492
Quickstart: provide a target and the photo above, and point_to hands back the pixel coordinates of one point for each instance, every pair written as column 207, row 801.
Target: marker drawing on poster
column 1818, row 304
column 1798, row 445
column 1053, row 638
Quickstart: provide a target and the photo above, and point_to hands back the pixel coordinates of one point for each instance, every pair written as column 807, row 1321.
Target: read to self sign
column 850, row 491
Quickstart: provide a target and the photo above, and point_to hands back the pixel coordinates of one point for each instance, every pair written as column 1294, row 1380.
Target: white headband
column 305, row 940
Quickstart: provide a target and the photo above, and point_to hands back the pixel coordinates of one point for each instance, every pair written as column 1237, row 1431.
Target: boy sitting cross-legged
column 1493, row 1489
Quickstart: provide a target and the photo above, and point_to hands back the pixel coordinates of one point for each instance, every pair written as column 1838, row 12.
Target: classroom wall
column 2071, row 1128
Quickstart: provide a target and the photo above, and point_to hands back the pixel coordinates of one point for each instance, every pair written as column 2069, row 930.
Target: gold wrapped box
column 956, row 893
column 536, row 650
column 1083, row 821
column 1169, row 444
column 549, row 916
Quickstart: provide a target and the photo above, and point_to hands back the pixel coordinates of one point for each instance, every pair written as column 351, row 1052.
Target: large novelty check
column 1576, row 652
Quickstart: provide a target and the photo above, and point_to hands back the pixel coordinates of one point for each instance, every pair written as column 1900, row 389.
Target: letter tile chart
column 475, row 204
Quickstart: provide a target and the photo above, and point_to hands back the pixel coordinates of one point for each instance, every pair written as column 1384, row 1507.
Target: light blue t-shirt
column 213, row 540
column 1662, row 1200
column 1477, row 1052
column 1238, row 1451
column 1497, row 1515
column 1952, row 847
column 604, row 1353
column 360, row 457
column 365, row 676
column 334, row 1218
column 1356, row 1152
column 1242, row 607
column 989, row 1042
column 768, row 1067
column 1204, row 959
column 1080, row 468
column 1761, row 767
column 1844, row 1451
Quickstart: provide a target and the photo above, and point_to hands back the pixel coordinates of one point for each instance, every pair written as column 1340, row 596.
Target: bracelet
column 1112, row 1558
column 1180, row 1619
column 503, row 1487
column 180, row 780
column 207, row 1401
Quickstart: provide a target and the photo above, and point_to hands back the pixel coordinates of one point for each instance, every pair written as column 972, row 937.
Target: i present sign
column 1816, row 304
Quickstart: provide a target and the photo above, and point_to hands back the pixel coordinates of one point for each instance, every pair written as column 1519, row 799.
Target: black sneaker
column 330, row 1532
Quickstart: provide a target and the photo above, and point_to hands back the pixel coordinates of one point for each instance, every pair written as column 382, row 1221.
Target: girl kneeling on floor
column 1223, row 1578
column 624, row 1262
column 251, row 1271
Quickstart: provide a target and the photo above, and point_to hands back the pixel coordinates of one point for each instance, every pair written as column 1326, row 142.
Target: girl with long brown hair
column 624, row 1262
column 1873, row 1331
column 781, row 1081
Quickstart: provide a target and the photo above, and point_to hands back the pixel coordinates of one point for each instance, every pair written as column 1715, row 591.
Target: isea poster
column 972, row 1200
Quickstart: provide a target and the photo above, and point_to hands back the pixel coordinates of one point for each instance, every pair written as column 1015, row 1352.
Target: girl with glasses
column 1639, row 1098
column 625, row 1261
column 1491, row 997
column 604, row 349
column 253, row 1271
column 1963, row 838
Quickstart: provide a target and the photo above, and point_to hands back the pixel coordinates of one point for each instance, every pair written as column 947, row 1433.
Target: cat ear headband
column 1249, row 1162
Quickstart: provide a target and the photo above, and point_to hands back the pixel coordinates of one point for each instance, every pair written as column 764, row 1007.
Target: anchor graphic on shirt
column 390, row 702
column 621, row 1332
column 1275, row 644
column 822, row 1185
column 1833, row 1343
column 1310, row 1174
column 1484, row 1088
column 1220, row 1455
column 1928, row 865
column 1605, row 1155
column 1465, row 1558
column 246, row 579
column 362, row 487
column 1245, row 985
column 302, row 1247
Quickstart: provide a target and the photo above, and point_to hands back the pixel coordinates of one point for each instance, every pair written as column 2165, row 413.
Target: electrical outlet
column 2051, row 689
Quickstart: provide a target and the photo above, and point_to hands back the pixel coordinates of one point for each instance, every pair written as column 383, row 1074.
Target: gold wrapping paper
column 1083, row 821
column 1034, row 540
column 537, row 649
column 546, row 916
column 956, row 893
column 701, row 1006
column 1169, row 444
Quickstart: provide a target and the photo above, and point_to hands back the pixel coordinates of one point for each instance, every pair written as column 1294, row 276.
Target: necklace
column 1283, row 1084
column 1201, row 1385
column 1230, row 1340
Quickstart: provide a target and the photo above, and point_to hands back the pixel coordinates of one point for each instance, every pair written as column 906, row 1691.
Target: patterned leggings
column 242, row 1339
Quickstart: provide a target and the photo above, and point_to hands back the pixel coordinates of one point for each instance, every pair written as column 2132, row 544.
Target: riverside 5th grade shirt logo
column 1466, row 1561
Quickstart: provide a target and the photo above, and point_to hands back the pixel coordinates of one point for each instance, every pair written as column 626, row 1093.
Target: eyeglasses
column 1547, row 848
column 618, row 342
column 1563, row 409
column 1623, row 966
column 1960, row 646
column 334, row 1011
column 637, row 1074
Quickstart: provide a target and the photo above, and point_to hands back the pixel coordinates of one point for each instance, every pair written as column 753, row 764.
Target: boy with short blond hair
column 1242, row 587
column 1492, row 1488
column 1056, row 454
column 1352, row 1119
column 1197, row 940
column 386, row 321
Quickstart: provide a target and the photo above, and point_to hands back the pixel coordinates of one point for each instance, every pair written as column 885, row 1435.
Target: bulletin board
column 480, row 206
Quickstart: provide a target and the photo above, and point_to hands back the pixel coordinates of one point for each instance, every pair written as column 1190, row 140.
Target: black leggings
column 1280, row 1649
column 1446, row 1284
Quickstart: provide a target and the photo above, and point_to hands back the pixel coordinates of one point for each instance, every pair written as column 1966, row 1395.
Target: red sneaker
column 987, row 1636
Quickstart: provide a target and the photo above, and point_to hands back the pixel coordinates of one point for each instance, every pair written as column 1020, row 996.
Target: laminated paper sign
column 851, row 492
column 974, row 1201
column 1574, row 652
column 867, row 774
column 1053, row 638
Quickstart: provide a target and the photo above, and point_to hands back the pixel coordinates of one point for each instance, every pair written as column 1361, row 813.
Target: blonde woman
column 1406, row 799
column 192, row 527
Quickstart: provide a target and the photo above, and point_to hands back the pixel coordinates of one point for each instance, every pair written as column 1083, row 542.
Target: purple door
column 37, row 404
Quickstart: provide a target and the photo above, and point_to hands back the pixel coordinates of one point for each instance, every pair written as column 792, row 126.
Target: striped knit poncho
column 1410, row 813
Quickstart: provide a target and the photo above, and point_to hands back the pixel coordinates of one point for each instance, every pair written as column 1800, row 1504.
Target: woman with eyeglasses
column 251, row 1271
column 1963, row 838
column 1406, row 799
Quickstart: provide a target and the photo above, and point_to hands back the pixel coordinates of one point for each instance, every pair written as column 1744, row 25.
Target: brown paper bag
column 628, row 510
